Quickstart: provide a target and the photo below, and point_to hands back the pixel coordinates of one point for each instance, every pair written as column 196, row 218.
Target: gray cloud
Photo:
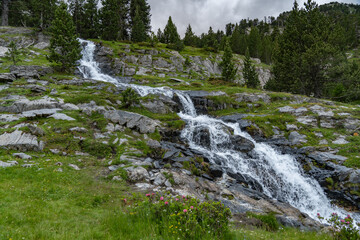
column 202, row 14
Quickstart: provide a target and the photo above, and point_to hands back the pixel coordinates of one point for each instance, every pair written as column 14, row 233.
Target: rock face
column 30, row 71
column 18, row 140
column 6, row 77
column 133, row 121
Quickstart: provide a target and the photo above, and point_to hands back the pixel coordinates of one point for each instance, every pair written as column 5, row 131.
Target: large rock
column 297, row 138
column 137, row 174
column 326, row 156
column 237, row 118
column 133, row 121
column 40, row 113
column 252, row 97
column 18, row 140
column 3, row 51
column 25, row 104
column 30, row 71
column 241, row 144
column 6, row 77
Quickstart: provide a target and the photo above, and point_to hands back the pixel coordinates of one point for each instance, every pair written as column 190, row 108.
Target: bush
column 269, row 221
column 184, row 217
column 13, row 54
column 343, row 229
column 129, row 98
column 178, row 46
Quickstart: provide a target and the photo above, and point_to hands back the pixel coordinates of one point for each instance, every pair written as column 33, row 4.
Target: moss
column 269, row 220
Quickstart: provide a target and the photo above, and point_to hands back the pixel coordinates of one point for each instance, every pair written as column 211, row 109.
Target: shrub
column 269, row 221
column 13, row 54
column 184, row 217
column 343, row 229
column 129, row 98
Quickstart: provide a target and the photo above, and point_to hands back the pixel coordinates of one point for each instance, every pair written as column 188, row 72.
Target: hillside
column 74, row 158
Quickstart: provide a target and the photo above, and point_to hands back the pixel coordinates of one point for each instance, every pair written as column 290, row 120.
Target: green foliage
column 139, row 12
column 189, row 39
column 269, row 221
column 94, row 148
column 343, row 229
column 184, row 217
column 249, row 72
column 228, row 67
column 171, row 35
column 113, row 19
column 304, row 53
column 129, row 98
column 13, row 54
column 138, row 31
column 64, row 46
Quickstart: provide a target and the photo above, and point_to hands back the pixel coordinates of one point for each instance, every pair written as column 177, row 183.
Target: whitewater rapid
column 280, row 176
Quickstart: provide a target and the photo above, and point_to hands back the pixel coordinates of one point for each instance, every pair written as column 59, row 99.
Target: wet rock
column 326, row 156
column 216, row 171
column 201, row 136
column 18, row 140
column 237, row 118
column 241, row 144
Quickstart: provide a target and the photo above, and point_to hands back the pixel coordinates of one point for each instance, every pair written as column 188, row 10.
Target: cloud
column 202, row 14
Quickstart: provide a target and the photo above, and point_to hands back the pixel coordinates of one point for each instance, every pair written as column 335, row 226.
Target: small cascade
column 280, row 176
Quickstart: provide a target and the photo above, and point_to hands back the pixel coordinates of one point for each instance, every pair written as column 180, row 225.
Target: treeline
column 115, row 20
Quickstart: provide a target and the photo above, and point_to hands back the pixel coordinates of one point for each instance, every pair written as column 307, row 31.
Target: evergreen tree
column 254, row 42
column 13, row 53
column 227, row 65
column 189, row 39
column 306, row 54
column 235, row 40
column 5, row 13
column 171, row 34
column 42, row 13
column 160, row 36
column 90, row 27
column 249, row 72
column 114, row 19
column 64, row 46
column 142, row 9
column 77, row 11
column 138, row 31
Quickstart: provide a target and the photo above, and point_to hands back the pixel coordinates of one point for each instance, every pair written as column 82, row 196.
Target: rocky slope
column 44, row 115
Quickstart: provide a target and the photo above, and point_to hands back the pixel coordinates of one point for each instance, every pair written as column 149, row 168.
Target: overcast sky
column 202, row 14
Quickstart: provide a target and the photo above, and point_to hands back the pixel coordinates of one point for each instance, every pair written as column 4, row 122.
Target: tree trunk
column 5, row 13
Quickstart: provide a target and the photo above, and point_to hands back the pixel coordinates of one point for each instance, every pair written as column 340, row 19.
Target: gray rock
column 252, row 97
column 41, row 45
column 24, row 105
column 70, row 107
column 61, row 116
column 6, row 77
column 20, row 141
column 287, row 109
column 22, row 156
column 323, row 142
column 296, row 138
column 78, row 129
column 340, row 141
column 8, row 118
column 30, row 71
column 137, row 174
column 8, row 164
column 73, row 166
column 153, row 144
column 38, row 89
column 159, row 179
column 133, row 121
column 3, row 51
column 326, row 156
column 351, row 124
column 325, row 114
column 301, row 110
column 145, row 60
column 291, row 127
column 36, row 130
column 40, row 113
column 308, row 120
column 27, row 165
column 237, row 118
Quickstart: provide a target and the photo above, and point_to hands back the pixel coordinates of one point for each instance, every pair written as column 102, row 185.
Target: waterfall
column 280, row 175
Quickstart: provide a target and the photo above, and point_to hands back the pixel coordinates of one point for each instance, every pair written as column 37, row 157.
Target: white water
column 279, row 175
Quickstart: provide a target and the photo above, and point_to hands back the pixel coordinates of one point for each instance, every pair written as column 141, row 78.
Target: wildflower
column 153, row 194
column 166, row 203
column 183, row 196
column 342, row 220
column 347, row 222
column 176, row 199
column 185, row 210
column 318, row 214
column 148, row 194
column 125, row 200
column 191, row 207
column 161, row 198
column 349, row 216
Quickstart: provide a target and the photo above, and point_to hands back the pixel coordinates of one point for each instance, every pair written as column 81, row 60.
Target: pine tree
column 114, row 19
column 249, row 72
column 254, row 42
column 160, row 36
column 64, row 46
column 227, row 65
column 91, row 23
column 13, row 53
column 306, row 53
column 42, row 13
column 77, row 12
column 171, row 34
column 236, row 40
column 138, row 31
column 189, row 39
column 143, row 9
column 5, row 13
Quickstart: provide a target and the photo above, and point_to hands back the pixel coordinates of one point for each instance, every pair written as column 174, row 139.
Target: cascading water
column 280, row 176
